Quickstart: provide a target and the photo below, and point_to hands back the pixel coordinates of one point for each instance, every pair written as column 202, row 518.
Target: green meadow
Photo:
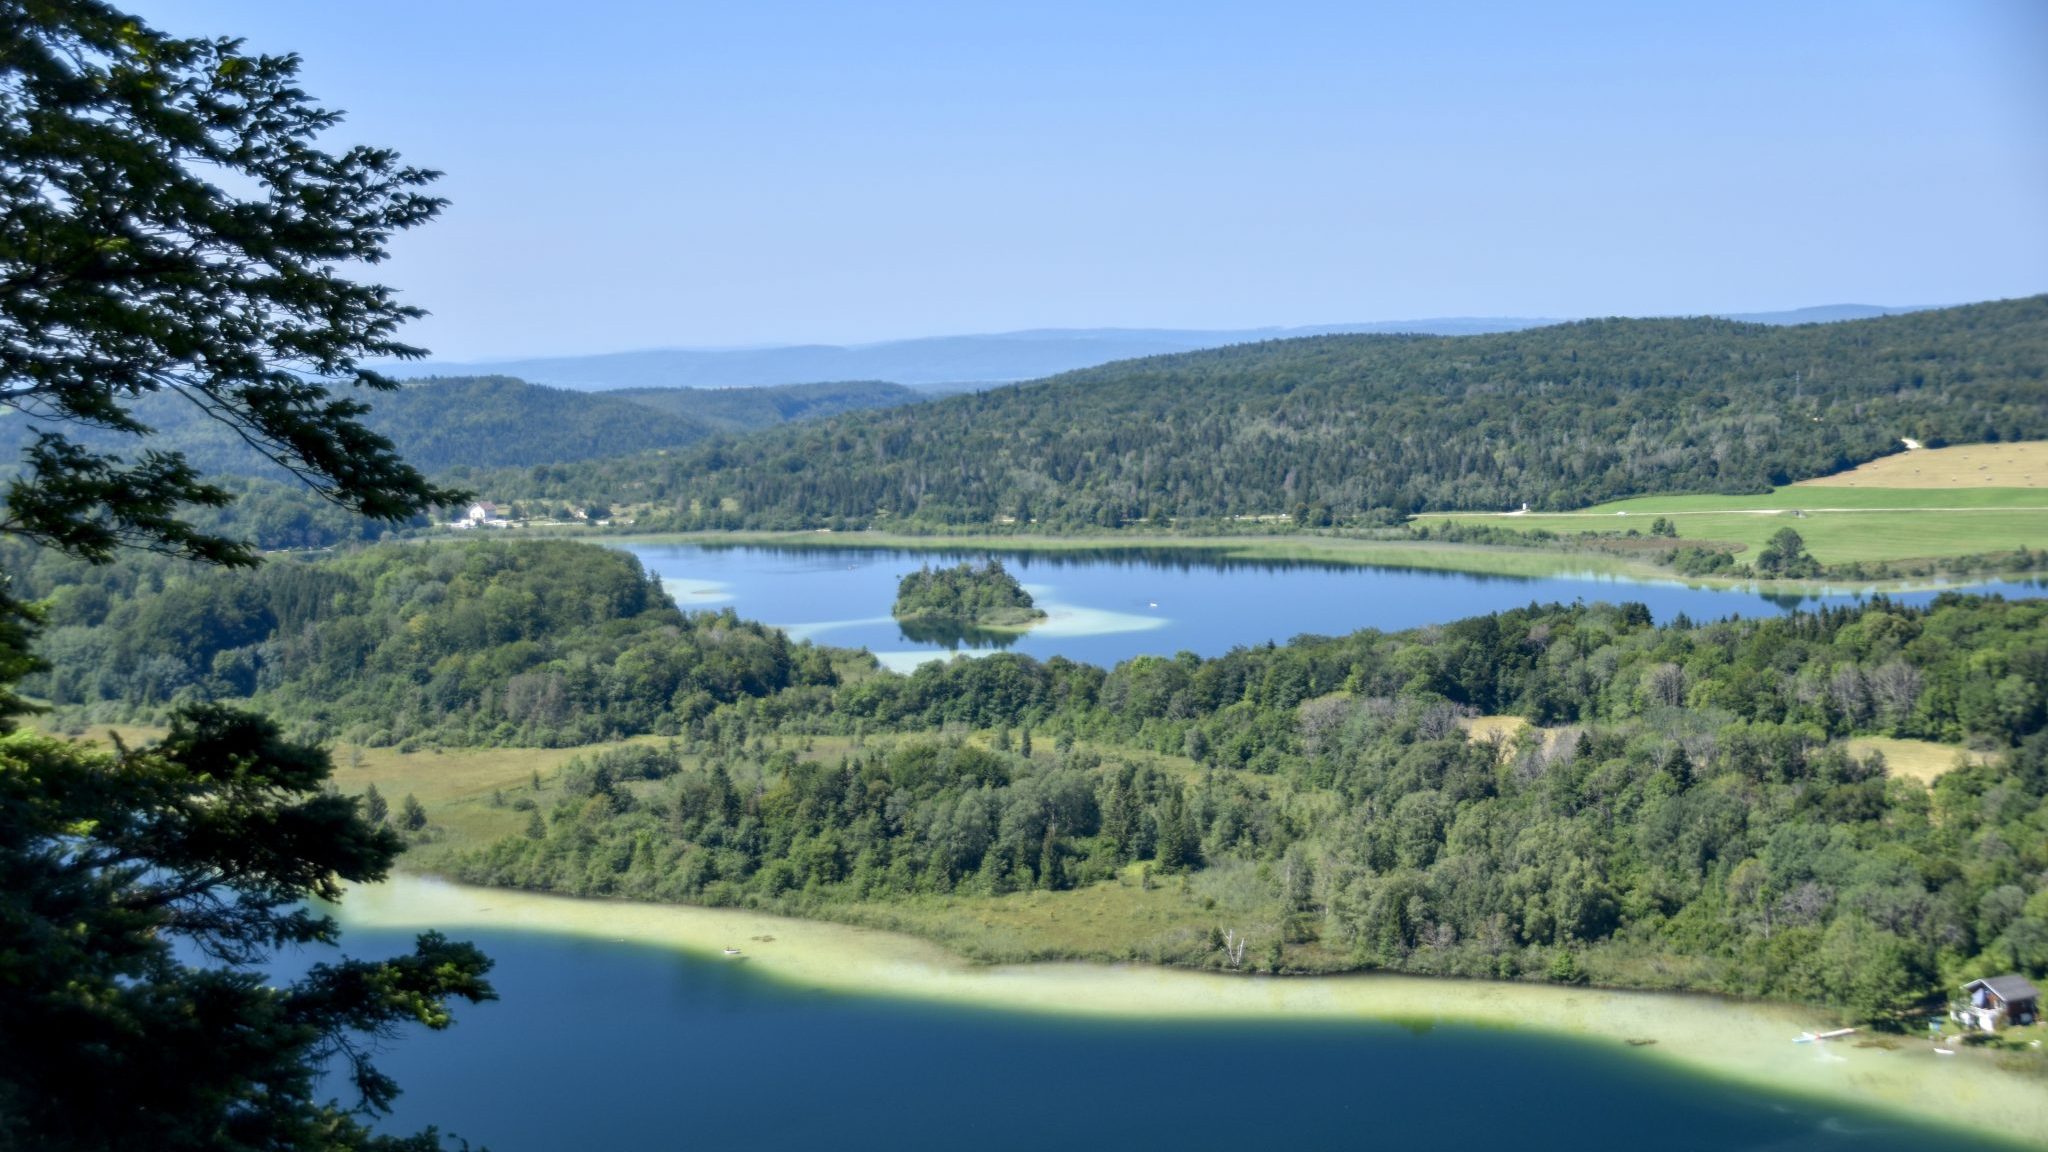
column 1840, row 525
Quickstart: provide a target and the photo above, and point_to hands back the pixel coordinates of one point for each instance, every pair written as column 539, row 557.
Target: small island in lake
column 965, row 596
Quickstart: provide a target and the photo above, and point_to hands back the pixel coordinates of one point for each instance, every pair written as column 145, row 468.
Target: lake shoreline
column 1743, row 1042
column 1428, row 556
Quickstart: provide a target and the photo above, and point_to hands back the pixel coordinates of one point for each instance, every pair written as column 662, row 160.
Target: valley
column 874, row 582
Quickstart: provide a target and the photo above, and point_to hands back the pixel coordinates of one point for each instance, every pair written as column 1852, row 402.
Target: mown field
column 2022, row 464
column 1942, row 508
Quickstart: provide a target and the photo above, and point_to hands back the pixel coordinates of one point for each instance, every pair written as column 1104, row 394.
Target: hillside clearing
column 2022, row 464
column 1921, row 760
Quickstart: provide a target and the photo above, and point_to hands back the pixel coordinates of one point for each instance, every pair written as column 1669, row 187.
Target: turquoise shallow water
column 1109, row 607
column 610, row 1045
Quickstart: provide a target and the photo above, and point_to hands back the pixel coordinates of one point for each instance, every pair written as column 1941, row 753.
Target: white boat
column 732, row 951
column 1944, row 1051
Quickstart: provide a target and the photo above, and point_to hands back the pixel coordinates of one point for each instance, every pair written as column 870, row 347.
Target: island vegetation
column 965, row 595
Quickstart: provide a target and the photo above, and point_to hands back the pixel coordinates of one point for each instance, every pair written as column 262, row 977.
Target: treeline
column 1357, row 429
column 537, row 643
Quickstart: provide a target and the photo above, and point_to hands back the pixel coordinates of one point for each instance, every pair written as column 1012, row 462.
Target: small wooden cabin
column 1998, row 1001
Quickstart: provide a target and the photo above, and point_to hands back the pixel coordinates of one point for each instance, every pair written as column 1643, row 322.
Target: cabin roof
column 2008, row 987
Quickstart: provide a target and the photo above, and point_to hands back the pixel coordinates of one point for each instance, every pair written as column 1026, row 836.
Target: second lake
column 1109, row 606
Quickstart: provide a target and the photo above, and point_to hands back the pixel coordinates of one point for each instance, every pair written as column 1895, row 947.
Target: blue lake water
column 1110, row 606
column 604, row 1045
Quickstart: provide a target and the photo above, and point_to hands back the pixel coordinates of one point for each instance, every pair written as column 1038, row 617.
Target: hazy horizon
column 1244, row 329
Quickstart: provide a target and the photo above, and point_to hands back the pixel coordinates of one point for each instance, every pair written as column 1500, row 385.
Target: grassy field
column 454, row 786
column 1833, row 537
column 2019, row 465
column 1133, row 917
column 1840, row 523
column 1916, row 759
column 1920, row 760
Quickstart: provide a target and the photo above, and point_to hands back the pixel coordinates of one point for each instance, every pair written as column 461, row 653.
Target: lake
column 1106, row 607
column 610, row 1044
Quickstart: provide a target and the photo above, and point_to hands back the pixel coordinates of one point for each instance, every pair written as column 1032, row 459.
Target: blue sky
column 635, row 174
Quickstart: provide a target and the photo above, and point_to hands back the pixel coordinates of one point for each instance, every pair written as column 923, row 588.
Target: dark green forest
column 462, row 425
column 1351, row 429
column 1690, row 819
column 484, row 421
column 538, row 643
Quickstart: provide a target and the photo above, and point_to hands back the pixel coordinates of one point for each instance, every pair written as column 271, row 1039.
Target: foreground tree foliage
column 141, row 888
column 126, row 270
column 143, row 885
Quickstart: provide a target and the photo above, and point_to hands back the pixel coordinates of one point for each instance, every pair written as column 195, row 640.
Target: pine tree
column 1119, row 820
column 1679, row 767
column 1179, row 846
column 411, row 816
column 375, row 808
column 1050, row 874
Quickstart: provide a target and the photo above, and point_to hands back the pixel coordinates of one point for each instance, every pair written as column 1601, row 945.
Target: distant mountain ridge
column 952, row 363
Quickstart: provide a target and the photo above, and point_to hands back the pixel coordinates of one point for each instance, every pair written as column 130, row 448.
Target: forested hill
column 1557, row 417
column 496, row 421
column 470, row 422
column 748, row 409
column 481, row 421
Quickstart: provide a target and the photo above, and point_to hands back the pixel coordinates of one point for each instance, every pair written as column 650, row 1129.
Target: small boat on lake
column 732, row 951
